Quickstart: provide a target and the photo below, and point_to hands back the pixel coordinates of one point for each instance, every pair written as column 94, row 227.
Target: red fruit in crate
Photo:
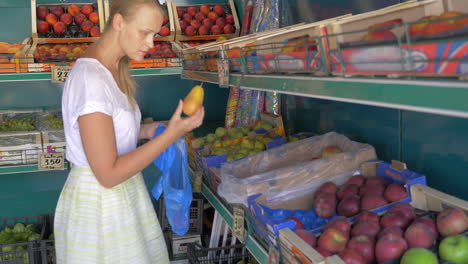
column 80, row 18
column 341, row 223
column 57, row 11
column 208, row 22
column 395, row 230
column 94, row 17
column 363, row 245
column 192, row 10
column 95, row 32
column 66, row 18
column 324, row 204
column 368, row 216
column 429, row 223
column 377, row 181
column 221, row 22
column 376, row 189
column 213, row 16
column 216, row 30
column 73, row 10
column 42, row 26
column 165, row 20
column 371, row 201
column 328, row 187
column 395, row 192
column 298, row 222
column 452, row 221
column 325, row 253
column 51, row 19
column 60, row 27
column 388, row 23
column 351, row 256
column 307, row 236
column 347, row 190
column 183, row 25
column 394, row 219
column 180, row 11
column 87, row 9
column 359, row 180
column 390, row 247
column 367, row 228
column 381, row 34
column 417, row 28
column 405, row 209
column 230, row 19
column 419, row 235
column 187, row 18
column 204, row 30
column 87, row 26
column 190, row 31
column 349, row 206
column 205, row 9
column 333, row 240
column 42, row 12
column 164, row 31
column 195, row 24
column 219, row 10
column 200, row 17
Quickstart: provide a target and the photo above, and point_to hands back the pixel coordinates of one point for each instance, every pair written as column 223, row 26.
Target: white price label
column 60, row 73
column 223, row 73
column 51, row 161
column 238, row 223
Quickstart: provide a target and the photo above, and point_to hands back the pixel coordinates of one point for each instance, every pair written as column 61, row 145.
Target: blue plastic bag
column 175, row 184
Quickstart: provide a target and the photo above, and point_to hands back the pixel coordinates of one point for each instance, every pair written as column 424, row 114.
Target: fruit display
column 402, row 233
column 206, row 20
column 54, row 122
column 59, row 52
column 161, row 50
column 20, row 124
column 10, row 48
column 167, row 25
column 68, row 21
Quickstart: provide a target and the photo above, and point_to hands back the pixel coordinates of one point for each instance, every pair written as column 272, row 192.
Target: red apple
column 192, row 10
column 372, row 201
column 364, row 246
column 87, row 9
column 180, row 11
column 60, row 27
column 42, row 12
column 390, row 247
column 328, row 187
column 164, row 31
column 404, row 208
column 359, row 180
column 368, row 216
column 230, row 19
column 419, row 235
column 200, row 17
column 452, row 221
column 347, row 190
column 183, row 25
column 195, row 24
column 51, row 19
column 208, row 22
column 307, row 236
column 351, row 256
column 42, row 26
column 95, row 32
column 66, row 18
column 80, row 18
column 429, row 223
column 221, row 22
column 190, row 31
column 341, row 223
column 367, row 228
column 204, row 30
column 187, row 18
column 213, row 16
column 333, row 240
column 394, row 219
column 57, row 11
column 324, row 204
column 205, row 9
column 219, row 10
column 298, row 222
column 391, row 230
column 375, row 189
column 376, row 180
column 395, row 192
column 349, row 206
column 87, row 26
column 325, row 253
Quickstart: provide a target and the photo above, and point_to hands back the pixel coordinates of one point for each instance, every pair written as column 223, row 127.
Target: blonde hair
column 127, row 8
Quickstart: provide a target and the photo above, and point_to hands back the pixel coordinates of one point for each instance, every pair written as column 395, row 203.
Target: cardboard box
column 179, row 245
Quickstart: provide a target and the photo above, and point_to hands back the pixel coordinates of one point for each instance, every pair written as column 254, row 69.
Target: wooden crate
column 17, row 62
column 39, row 38
column 182, row 37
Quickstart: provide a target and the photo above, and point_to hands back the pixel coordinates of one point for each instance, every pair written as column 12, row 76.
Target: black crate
column 47, row 252
column 22, row 252
column 196, row 216
column 222, row 255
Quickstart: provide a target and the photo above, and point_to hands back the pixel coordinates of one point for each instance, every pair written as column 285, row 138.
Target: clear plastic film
column 231, row 109
column 290, row 165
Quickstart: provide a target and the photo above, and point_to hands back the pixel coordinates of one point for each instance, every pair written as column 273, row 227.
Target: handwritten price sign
column 223, row 73
column 51, row 161
column 60, row 73
column 238, row 223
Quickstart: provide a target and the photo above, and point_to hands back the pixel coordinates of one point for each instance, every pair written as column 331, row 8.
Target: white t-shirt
column 90, row 88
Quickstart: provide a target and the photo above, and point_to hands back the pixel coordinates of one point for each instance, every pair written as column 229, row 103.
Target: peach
column 87, row 25
column 66, row 18
column 73, row 10
column 213, row 16
column 204, row 30
column 87, row 9
column 208, row 22
column 51, row 19
column 190, row 31
column 180, row 11
column 60, row 27
column 94, row 17
column 417, row 28
column 221, row 22
column 57, row 11
column 200, row 17
column 165, row 20
column 192, row 10
column 42, row 26
column 164, row 31
column 205, row 9
column 183, row 25
column 382, row 34
column 216, row 30
column 42, row 12
column 187, row 18
column 219, row 10
column 195, row 24
column 80, row 18
column 230, row 19
column 95, row 32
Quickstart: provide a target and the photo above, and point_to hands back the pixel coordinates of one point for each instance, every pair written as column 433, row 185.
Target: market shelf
column 428, row 96
column 24, row 169
column 252, row 245
column 46, row 75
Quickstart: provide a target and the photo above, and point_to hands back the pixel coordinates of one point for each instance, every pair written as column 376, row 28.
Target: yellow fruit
column 194, row 100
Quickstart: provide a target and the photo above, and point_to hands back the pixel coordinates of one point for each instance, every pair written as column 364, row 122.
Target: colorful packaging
column 242, row 113
column 231, row 108
column 255, row 107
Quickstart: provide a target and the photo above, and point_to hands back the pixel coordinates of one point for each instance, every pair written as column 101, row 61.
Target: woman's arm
column 98, row 138
column 147, row 130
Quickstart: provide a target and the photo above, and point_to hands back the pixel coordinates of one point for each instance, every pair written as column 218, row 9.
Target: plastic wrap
column 289, row 165
column 14, row 121
column 50, row 120
column 19, row 147
column 231, row 109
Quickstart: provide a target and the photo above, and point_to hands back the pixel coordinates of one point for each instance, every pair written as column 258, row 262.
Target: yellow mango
column 194, row 100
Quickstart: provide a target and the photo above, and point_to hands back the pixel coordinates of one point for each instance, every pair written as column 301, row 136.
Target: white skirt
column 97, row 225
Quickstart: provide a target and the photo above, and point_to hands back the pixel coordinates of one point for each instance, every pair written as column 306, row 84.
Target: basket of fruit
column 66, row 23
column 206, row 21
column 162, row 54
column 13, row 56
column 47, row 55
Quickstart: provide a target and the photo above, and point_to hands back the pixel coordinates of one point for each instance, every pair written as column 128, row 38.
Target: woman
column 104, row 213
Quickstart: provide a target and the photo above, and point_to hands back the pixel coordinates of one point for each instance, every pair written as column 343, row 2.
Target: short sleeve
column 87, row 91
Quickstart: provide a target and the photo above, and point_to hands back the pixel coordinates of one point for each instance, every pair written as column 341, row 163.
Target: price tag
column 223, row 73
column 51, row 161
column 60, row 73
column 273, row 255
column 238, row 223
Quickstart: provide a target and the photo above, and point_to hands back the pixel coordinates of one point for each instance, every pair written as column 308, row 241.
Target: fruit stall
column 334, row 131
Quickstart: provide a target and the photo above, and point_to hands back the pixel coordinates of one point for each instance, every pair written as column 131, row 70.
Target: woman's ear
column 117, row 22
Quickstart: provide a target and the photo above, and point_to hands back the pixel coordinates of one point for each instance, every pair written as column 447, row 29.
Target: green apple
column 455, row 249
column 419, row 256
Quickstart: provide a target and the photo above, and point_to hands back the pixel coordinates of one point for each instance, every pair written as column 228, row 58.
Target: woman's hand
column 179, row 126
